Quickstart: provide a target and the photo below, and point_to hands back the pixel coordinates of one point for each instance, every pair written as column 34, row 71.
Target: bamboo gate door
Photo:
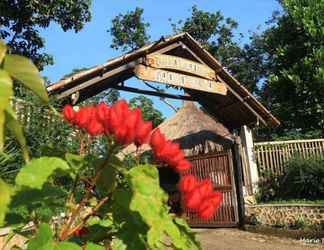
column 219, row 168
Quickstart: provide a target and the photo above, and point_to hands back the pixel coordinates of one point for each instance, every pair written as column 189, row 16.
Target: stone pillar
column 247, row 144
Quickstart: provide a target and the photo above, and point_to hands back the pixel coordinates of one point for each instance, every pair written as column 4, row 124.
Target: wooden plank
column 179, row 80
column 180, row 64
column 153, row 93
column 98, row 79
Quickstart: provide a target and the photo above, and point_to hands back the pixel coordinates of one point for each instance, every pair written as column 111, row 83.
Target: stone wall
column 281, row 215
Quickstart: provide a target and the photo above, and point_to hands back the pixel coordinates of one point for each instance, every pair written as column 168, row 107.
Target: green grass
column 299, row 201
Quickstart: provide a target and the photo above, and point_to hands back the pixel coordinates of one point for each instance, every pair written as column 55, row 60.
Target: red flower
column 157, row 140
column 216, row 199
column 115, row 121
column 81, row 231
column 192, row 199
column 179, row 156
column 143, row 131
column 205, row 188
column 206, row 210
column 188, row 183
column 120, row 134
column 121, row 108
column 183, row 165
column 163, row 153
column 103, row 112
column 95, row 127
column 83, row 116
column 69, row 113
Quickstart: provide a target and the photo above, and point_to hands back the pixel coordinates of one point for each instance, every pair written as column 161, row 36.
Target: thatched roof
column 195, row 131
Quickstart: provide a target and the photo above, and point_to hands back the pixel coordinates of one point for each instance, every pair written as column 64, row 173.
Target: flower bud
column 192, row 199
column 183, row 165
column 205, row 187
column 143, row 132
column 206, row 210
column 157, row 140
column 69, row 113
column 216, row 199
column 187, row 183
column 103, row 111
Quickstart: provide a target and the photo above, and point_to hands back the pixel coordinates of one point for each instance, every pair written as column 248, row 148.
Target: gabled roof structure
column 238, row 107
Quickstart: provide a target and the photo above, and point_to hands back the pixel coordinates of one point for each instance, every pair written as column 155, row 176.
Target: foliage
column 268, row 187
column 83, row 201
column 20, row 22
column 217, row 34
column 148, row 111
column 293, row 56
column 212, row 30
column 129, row 30
column 303, row 179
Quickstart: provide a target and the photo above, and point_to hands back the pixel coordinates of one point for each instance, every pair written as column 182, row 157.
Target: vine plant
column 95, row 202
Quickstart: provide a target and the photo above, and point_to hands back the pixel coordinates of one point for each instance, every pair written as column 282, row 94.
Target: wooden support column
column 238, row 181
column 247, row 144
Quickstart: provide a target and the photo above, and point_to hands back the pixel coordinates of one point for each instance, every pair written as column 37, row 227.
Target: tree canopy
column 21, row 22
column 283, row 65
column 292, row 52
column 148, row 111
column 129, row 30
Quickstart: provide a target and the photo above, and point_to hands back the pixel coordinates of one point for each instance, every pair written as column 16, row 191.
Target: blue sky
column 91, row 46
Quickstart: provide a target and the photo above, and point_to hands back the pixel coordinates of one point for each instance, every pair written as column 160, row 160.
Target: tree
column 20, row 22
column 212, row 30
column 129, row 30
column 217, row 34
column 293, row 65
column 148, row 110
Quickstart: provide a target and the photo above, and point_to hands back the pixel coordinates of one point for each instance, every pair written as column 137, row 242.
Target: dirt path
column 234, row 239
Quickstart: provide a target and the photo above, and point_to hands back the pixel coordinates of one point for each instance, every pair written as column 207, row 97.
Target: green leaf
column 75, row 161
column 5, row 89
column 149, row 201
column 36, row 172
column 23, row 69
column 41, row 204
column 92, row 246
column 3, row 50
column 5, row 197
column 14, row 126
column 5, row 94
column 65, row 246
column 2, row 121
column 107, row 180
column 43, row 239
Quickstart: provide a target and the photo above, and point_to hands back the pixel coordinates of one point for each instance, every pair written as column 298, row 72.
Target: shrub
column 268, row 187
column 303, row 179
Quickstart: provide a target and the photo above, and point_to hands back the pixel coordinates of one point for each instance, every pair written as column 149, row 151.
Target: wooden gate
column 219, row 168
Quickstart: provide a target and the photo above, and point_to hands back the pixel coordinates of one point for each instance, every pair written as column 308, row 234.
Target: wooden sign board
column 180, row 64
column 179, row 80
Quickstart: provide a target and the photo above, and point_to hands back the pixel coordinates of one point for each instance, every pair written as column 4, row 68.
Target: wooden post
column 247, row 143
column 238, row 182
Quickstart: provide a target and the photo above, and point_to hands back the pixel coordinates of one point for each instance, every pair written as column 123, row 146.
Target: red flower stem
column 85, row 198
column 93, row 211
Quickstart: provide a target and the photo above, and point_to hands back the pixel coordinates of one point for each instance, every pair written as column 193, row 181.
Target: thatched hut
column 196, row 132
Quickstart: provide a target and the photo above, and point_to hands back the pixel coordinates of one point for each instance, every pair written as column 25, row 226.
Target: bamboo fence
column 272, row 156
